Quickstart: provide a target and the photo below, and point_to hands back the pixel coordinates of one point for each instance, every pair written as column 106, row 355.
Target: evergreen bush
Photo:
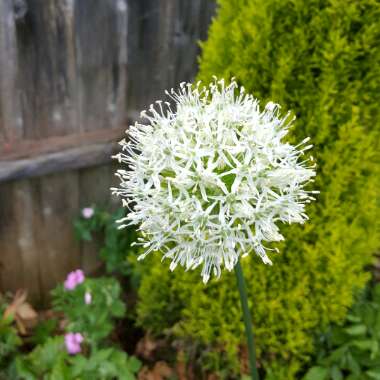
column 320, row 59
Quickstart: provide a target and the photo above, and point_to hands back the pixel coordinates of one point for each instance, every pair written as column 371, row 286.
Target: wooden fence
column 73, row 74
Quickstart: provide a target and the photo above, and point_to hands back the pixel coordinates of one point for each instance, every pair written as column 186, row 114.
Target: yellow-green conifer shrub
column 321, row 59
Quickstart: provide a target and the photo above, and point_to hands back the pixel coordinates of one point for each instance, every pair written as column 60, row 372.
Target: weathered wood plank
column 59, row 251
column 11, row 123
column 11, row 265
column 69, row 59
column 76, row 158
column 46, row 66
column 26, row 209
column 101, row 49
column 19, row 251
column 163, row 38
column 35, row 148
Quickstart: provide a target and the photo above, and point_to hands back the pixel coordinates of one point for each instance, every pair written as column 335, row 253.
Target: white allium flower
column 210, row 181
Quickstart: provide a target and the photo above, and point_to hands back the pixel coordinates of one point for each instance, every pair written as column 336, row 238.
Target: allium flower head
column 210, row 181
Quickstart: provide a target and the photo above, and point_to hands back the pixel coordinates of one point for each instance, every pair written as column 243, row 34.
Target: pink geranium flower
column 87, row 212
column 73, row 279
column 73, row 342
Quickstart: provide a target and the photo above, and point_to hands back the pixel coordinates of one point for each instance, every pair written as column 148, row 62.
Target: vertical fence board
column 27, row 215
column 46, row 69
column 11, row 264
column 101, row 28
column 10, row 118
column 163, row 41
column 60, row 253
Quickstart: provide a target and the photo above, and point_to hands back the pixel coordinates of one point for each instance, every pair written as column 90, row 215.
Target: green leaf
column 60, row 371
column 353, row 365
column 353, row 377
column 376, row 293
column 353, row 318
column 102, row 355
column 126, row 375
column 374, row 374
column 79, row 364
column 118, row 309
column 316, row 373
column 107, row 369
column 44, row 357
column 338, row 354
column 356, row 330
column 44, row 330
column 134, row 364
column 336, row 373
column 365, row 344
column 23, row 369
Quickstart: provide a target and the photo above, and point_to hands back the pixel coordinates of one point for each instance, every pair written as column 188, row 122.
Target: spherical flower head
column 211, row 181
column 87, row 212
column 73, row 279
column 73, row 343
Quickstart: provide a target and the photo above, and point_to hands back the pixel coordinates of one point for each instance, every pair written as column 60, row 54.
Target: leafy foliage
column 116, row 244
column 320, row 59
column 352, row 351
column 51, row 362
column 44, row 330
column 9, row 340
column 94, row 320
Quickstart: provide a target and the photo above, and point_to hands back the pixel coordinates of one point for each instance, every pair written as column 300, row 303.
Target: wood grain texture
column 46, row 69
column 69, row 159
column 73, row 74
column 26, row 211
column 163, row 45
column 59, row 251
column 36, row 148
column 10, row 112
column 71, row 66
column 11, row 264
column 101, row 31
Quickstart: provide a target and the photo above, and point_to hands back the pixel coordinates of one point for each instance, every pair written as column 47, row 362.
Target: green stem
column 247, row 320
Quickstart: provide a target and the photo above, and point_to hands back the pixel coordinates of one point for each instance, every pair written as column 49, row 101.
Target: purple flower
column 73, row 279
column 73, row 342
column 87, row 212
column 87, row 298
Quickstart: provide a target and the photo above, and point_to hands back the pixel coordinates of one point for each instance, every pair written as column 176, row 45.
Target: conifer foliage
column 320, row 59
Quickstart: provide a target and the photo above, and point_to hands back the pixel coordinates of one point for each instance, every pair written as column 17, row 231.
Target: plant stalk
column 247, row 320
